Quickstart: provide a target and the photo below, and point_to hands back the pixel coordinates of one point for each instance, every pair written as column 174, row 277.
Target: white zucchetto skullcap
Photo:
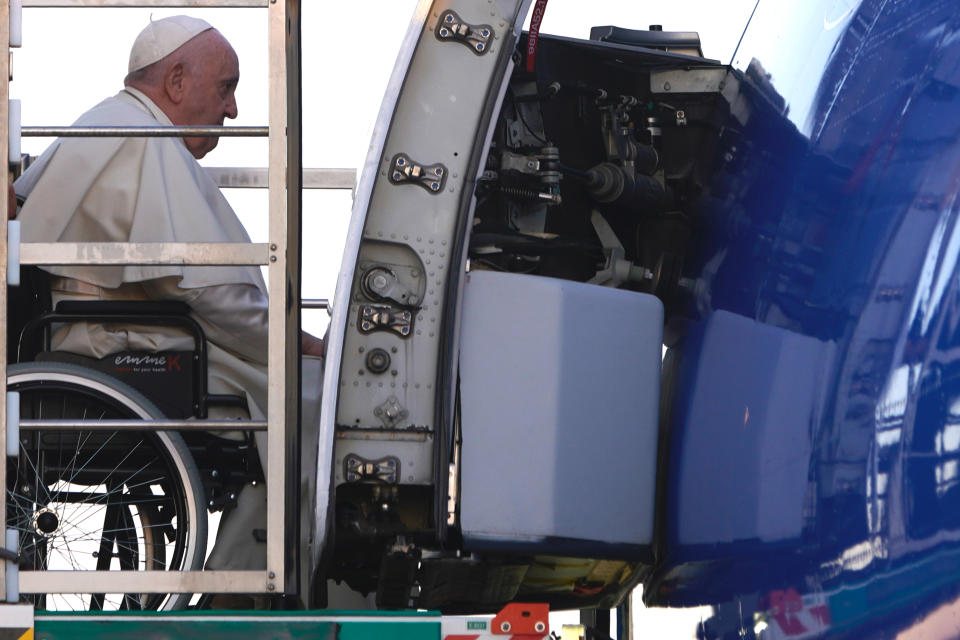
column 162, row 37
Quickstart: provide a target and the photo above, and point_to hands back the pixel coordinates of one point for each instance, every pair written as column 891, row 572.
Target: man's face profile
column 210, row 80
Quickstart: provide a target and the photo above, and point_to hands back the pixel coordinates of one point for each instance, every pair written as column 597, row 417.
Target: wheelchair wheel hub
column 46, row 522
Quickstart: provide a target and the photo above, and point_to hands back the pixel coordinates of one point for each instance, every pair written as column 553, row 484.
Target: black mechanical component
column 403, row 170
column 374, row 317
column 549, row 157
column 398, row 570
column 357, row 469
column 378, row 361
column 226, row 466
column 609, row 183
column 687, row 42
column 476, row 37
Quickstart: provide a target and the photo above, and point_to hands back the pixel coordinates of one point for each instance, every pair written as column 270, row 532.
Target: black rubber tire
column 156, row 511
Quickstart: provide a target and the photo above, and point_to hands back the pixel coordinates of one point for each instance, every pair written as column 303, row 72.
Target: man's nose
column 231, row 109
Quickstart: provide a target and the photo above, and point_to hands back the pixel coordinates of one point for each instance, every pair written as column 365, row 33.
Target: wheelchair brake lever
column 6, row 554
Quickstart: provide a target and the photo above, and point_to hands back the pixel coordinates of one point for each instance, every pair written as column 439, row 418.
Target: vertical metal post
column 294, row 176
column 283, row 369
column 4, row 153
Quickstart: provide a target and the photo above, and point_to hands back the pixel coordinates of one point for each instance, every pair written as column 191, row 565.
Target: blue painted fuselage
column 812, row 476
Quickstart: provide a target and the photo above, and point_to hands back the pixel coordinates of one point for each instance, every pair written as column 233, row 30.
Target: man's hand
column 11, row 202
column 312, row 346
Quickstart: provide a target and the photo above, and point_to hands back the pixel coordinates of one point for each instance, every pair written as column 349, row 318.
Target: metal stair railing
column 281, row 255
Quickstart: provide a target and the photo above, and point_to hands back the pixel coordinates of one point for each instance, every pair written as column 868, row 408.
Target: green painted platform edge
column 318, row 613
column 238, row 625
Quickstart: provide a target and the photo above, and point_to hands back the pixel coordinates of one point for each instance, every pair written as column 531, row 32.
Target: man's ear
column 173, row 83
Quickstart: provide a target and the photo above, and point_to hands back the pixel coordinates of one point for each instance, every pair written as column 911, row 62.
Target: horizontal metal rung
column 256, row 178
column 143, row 425
column 144, row 253
column 314, row 303
column 144, row 132
column 147, row 4
column 143, row 581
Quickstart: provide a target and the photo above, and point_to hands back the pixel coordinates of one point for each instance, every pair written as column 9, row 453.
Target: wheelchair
column 102, row 499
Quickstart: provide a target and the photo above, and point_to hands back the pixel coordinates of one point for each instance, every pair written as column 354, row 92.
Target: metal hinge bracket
column 475, row 37
column 404, row 170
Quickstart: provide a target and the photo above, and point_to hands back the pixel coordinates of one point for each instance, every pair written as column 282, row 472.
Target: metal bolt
column 539, row 627
column 479, row 46
column 435, row 185
column 271, row 575
column 233, row 496
column 485, row 33
column 397, row 175
column 270, row 585
column 393, row 372
column 214, row 474
column 273, row 258
column 273, row 247
column 444, row 33
column 505, row 627
column 393, row 349
column 379, row 282
column 438, row 171
column 400, row 162
column 666, row 86
column 449, row 18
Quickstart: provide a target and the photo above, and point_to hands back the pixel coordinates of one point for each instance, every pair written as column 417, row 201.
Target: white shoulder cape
column 128, row 190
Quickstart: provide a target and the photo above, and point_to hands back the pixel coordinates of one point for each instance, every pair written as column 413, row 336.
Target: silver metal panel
column 445, row 108
column 434, row 122
column 193, row 4
column 143, row 132
column 123, row 253
column 339, row 322
column 143, row 581
column 362, row 391
column 140, row 425
column 256, row 178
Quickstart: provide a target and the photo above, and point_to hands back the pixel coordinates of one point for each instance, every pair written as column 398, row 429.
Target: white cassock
column 152, row 190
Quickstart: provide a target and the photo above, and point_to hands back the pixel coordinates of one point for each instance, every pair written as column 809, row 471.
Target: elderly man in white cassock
column 181, row 72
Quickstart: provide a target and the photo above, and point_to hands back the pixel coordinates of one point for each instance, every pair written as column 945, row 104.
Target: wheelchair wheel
column 101, row 500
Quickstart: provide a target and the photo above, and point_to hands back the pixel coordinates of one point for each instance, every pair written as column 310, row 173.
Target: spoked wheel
column 100, row 500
